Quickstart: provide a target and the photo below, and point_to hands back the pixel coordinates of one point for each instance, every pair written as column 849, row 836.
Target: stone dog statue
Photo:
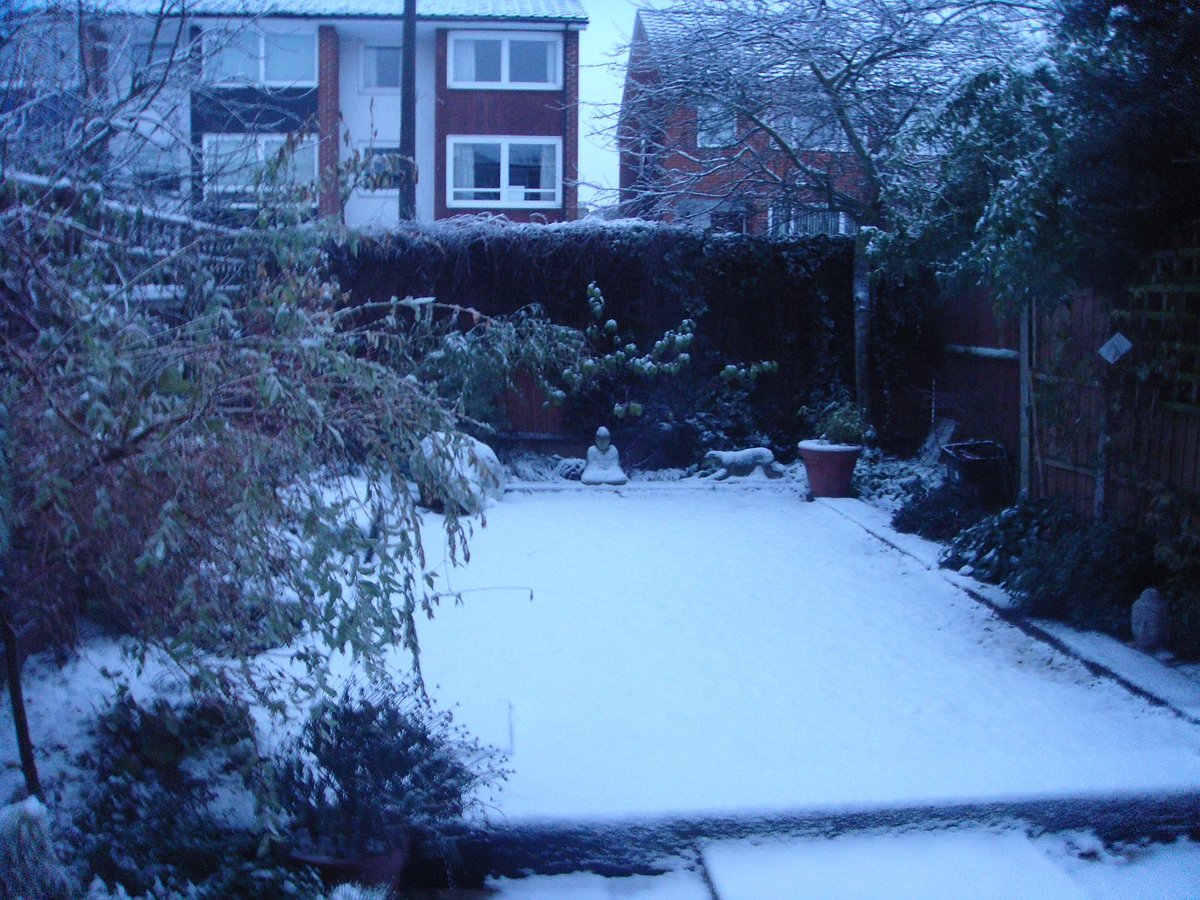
column 723, row 463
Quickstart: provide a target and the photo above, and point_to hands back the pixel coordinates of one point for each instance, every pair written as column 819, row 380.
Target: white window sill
column 498, row 86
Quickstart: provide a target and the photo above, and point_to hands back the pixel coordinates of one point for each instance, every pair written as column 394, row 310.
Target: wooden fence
column 1104, row 434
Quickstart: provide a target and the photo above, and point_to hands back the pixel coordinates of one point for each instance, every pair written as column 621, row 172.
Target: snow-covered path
column 731, row 651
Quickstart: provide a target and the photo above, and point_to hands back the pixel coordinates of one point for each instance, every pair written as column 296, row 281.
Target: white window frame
column 171, row 154
column 505, row 38
column 365, row 88
column 706, row 113
column 505, row 141
column 212, row 192
column 782, row 221
column 261, row 81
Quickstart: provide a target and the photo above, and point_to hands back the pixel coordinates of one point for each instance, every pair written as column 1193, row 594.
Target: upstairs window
column 511, row 172
column 253, row 57
column 382, row 67
column 716, row 125
column 512, row 61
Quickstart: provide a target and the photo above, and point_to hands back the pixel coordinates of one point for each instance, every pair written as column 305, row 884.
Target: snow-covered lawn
column 672, row 650
column 725, row 650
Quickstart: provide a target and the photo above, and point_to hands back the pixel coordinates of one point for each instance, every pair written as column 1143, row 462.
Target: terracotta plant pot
column 829, row 466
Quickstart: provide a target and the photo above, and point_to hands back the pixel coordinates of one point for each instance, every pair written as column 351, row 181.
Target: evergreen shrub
column 1059, row 564
column 377, row 763
column 153, row 825
column 751, row 299
column 940, row 513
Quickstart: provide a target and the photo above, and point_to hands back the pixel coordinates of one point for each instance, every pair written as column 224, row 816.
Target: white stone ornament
column 1148, row 619
column 603, row 461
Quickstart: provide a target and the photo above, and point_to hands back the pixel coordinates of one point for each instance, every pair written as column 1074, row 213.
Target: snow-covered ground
column 683, row 649
column 723, row 650
column 940, row 865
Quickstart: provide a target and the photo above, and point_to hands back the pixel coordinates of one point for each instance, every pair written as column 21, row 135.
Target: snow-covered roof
column 664, row 27
column 565, row 11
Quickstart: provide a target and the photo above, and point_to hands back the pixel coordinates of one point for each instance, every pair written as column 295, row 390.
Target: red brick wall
column 541, row 113
column 681, row 161
column 328, row 120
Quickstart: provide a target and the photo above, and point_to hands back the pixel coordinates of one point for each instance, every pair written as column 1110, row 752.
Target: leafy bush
column 153, row 823
column 993, row 549
column 840, row 421
column 1088, row 576
column 1174, row 522
column 1059, row 564
column 368, row 768
column 940, row 513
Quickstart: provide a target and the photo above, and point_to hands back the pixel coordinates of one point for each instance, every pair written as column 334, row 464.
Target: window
column 715, row 124
column 235, row 165
column 504, row 172
column 252, row 57
column 517, row 61
column 382, row 168
column 156, row 168
column 793, row 221
column 154, row 57
column 382, row 68
column 807, row 133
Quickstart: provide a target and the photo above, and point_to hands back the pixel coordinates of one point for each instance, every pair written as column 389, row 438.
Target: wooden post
column 1026, row 422
column 12, row 650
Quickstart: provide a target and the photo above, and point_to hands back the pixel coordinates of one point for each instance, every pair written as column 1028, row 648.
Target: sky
column 602, row 66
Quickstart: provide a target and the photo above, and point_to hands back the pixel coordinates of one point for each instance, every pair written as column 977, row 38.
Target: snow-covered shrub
column 1060, row 564
column 173, row 476
column 371, row 767
column 458, row 469
column 571, row 468
column 992, row 550
column 29, row 865
column 173, row 806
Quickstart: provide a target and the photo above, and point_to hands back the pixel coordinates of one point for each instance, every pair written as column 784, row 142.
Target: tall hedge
column 753, row 298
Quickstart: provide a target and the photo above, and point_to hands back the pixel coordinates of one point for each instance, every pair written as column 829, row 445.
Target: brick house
column 496, row 113
column 687, row 159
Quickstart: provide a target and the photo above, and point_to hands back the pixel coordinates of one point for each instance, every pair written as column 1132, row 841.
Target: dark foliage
column 1089, row 576
column 373, row 766
column 753, row 299
column 149, row 825
column 995, row 547
column 940, row 514
column 1135, row 72
column 1174, row 523
column 1060, row 564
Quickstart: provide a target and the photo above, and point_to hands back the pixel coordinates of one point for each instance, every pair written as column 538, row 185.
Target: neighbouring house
column 301, row 89
column 693, row 149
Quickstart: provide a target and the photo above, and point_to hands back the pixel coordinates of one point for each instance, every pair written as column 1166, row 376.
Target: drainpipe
column 408, row 114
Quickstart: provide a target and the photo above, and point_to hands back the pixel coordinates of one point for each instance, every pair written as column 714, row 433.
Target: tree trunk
column 16, row 695
column 862, row 323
